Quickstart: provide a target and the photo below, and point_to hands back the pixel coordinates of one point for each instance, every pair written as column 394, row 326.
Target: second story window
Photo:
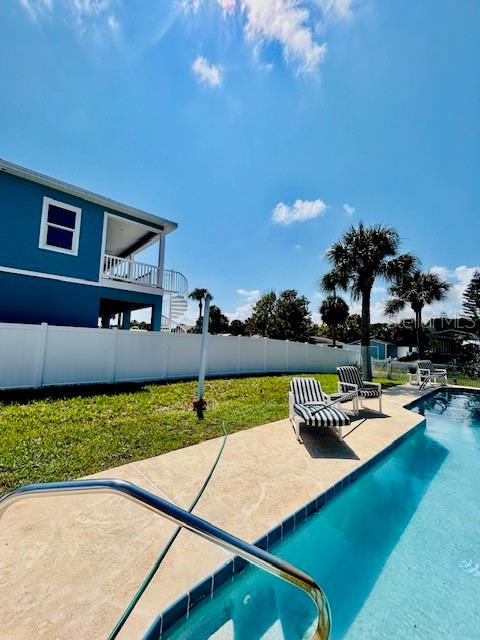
column 60, row 227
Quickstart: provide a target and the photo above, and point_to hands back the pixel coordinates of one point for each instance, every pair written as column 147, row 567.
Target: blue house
column 381, row 349
column 70, row 257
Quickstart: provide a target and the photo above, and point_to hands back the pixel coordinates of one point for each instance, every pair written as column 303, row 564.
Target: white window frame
column 42, row 243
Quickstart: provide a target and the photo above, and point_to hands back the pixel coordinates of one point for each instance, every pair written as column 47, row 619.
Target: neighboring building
column 381, row 349
column 326, row 341
column 450, row 342
column 68, row 256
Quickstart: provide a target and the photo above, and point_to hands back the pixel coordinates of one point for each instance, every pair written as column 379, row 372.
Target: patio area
column 69, row 566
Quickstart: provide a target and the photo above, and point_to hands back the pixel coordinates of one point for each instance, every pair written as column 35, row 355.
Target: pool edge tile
column 236, row 565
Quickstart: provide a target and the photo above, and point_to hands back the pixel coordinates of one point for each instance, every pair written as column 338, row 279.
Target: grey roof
column 108, row 203
column 325, row 340
column 374, row 338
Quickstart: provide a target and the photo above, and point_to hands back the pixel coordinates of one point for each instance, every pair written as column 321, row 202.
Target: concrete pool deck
column 70, row 565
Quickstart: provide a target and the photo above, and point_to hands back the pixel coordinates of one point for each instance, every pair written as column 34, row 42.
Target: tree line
column 285, row 317
column 363, row 255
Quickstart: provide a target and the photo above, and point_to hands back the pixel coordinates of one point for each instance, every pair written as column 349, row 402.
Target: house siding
column 380, row 351
column 21, row 203
column 33, row 300
column 392, row 351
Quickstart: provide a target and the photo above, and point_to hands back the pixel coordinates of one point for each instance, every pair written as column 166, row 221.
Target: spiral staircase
column 175, row 304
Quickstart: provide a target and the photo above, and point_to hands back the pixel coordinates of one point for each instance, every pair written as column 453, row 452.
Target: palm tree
column 361, row 255
column 334, row 312
column 416, row 289
column 199, row 296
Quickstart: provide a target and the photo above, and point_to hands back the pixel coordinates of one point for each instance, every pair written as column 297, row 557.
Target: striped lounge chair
column 309, row 405
column 429, row 373
column 351, row 380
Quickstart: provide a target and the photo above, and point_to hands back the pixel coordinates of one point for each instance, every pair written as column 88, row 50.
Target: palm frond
column 394, row 306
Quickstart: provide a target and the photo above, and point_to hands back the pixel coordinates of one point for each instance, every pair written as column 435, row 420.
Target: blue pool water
column 397, row 552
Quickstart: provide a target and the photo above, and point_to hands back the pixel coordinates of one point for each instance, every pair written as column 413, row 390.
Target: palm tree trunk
column 365, row 335
column 200, row 308
column 334, row 328
column 419, row 328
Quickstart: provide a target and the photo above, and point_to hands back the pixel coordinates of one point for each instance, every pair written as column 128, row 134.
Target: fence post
column 389, row 367
column 113, row 358
column 239, row 338
column 41, row 355
column 167, row 359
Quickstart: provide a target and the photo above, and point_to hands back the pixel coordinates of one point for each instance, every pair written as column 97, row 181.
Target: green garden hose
column 118, row 627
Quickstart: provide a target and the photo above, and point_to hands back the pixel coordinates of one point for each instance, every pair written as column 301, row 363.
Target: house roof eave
column 107, row 203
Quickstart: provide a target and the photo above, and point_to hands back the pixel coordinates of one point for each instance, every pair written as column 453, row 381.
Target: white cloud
column 266, row 66
column 89, row 14
column 227, row 5
column 113, row 23
column 301, row 210
column 297, row 246
column 207, row 73
column 244, row 309
column 251, row 295
column 338, row 9
column 452, row 305
column 80, row 15
column 90, row 7
column 285, row 22
column 376, row 311
column 459, row 278
column 442, row 272
column 349, row 210
column 37, row 8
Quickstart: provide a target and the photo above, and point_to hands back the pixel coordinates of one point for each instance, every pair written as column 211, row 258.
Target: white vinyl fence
column 43, row 355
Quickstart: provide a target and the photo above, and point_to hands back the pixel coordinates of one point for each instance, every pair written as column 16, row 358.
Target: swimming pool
column 397, row 551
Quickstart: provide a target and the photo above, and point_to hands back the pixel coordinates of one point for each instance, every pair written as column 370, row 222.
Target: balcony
column 144, row 275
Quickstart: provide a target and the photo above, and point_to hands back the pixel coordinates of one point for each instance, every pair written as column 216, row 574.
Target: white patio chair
column 351, row 380
column 428, row 373
column 310, row 406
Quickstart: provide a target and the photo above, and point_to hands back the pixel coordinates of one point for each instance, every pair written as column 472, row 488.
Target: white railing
column 125, row 270
column 175, row 282
column 143, row 274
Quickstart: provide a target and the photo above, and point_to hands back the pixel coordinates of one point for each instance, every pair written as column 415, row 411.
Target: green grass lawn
column 61, row 434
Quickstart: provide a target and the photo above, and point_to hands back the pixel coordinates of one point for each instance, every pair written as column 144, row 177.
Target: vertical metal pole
column 203, row 349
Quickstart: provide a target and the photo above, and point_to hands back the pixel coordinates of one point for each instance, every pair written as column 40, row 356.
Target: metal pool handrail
column 204, row 529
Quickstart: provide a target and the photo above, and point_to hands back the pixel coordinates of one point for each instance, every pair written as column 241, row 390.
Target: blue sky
column 253, row 123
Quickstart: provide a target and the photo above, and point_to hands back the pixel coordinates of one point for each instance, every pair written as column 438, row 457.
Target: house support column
column 126, row 320
column 157, row 316
column 161, row 258
column 105, row 322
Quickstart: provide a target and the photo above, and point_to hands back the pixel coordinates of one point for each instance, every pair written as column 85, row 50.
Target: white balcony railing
column 143, row 275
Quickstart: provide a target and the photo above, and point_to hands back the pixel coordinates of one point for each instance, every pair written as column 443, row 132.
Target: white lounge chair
column 309, row 405
column 428, row 373
column 351, row 380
